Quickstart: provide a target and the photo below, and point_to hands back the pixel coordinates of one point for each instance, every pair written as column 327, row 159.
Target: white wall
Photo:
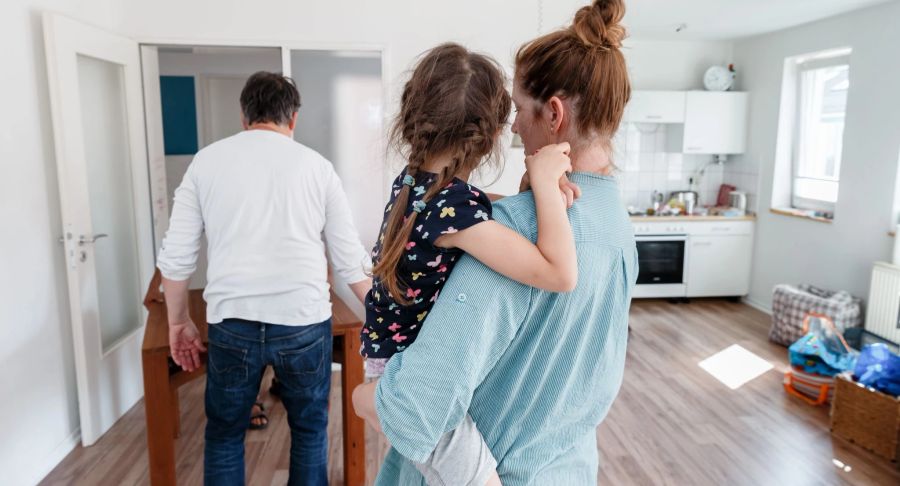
column 39, row 409
column 673, row 65
column 837, row 255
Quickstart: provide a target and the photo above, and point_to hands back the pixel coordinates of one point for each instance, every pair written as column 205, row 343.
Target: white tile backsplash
column 660, row 179
column 660, row 162
column 646, row 181
column 647, row 142
column 742, row 173
column 645, row 166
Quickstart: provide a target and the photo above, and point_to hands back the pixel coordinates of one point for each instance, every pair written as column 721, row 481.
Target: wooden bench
column 162, row 380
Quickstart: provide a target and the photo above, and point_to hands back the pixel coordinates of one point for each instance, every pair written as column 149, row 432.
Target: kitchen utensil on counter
column 738, row 200
column 683, row 198
column 656, row 201
column 724, row 192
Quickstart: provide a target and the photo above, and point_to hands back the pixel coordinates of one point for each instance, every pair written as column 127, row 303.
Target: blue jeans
column 239, row 352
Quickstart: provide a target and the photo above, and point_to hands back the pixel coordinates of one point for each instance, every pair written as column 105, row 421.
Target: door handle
column 82, row 240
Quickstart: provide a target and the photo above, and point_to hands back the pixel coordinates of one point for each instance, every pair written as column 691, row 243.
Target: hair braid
column 455, row 104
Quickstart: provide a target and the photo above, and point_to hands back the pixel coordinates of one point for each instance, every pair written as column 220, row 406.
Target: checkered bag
column 791, row 304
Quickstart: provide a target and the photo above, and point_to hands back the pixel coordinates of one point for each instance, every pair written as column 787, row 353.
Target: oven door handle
column 653, row 238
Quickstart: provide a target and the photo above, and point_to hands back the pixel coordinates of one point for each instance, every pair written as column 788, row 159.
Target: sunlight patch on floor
column 734, row 366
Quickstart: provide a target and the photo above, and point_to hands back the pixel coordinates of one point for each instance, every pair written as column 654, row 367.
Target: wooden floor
column 672, row 424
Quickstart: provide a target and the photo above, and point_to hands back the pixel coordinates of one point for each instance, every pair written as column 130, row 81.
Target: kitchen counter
column 687, row 219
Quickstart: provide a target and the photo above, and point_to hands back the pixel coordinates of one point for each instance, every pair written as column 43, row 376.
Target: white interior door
column 98, row 123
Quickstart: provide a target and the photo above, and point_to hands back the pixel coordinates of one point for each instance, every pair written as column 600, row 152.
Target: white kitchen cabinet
column 715, row 122
column 655, row 107
column 719, row 264
column 717, row 256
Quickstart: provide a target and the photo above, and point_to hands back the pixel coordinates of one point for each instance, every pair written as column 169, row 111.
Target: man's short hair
column 269, row 97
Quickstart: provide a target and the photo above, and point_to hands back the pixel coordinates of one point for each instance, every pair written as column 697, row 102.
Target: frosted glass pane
column 341, row 118
column 108, row 160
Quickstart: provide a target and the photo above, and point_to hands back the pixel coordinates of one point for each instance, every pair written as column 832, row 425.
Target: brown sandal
column 261, row 416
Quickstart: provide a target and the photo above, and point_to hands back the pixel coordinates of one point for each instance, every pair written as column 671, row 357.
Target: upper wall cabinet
column 699, row 122
column 715, row 122
column 655, row 107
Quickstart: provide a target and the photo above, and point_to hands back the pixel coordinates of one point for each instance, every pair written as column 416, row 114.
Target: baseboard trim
column 55, row 456
column 757, row 305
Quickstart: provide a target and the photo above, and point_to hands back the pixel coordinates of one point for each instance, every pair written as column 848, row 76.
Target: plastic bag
column 878, row 368
column 822, row 350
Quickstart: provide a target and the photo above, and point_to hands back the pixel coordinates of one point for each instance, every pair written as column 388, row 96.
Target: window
column 822, row 85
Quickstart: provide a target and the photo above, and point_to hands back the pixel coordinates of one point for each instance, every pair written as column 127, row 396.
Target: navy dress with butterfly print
column 423, row 268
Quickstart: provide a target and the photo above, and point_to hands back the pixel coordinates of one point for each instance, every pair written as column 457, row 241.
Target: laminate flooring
column 672, row 423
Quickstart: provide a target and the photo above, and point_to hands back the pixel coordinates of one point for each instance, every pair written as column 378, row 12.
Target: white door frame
column 109, row 381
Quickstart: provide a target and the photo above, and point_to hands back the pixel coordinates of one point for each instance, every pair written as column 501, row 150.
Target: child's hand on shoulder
column 549, row 164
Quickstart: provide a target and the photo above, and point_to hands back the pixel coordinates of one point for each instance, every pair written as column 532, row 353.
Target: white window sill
column 797, row 213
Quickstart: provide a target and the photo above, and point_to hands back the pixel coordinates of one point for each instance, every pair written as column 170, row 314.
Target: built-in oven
column 663, row 265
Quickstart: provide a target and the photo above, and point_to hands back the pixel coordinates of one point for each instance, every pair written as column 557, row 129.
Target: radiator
column 883, row 314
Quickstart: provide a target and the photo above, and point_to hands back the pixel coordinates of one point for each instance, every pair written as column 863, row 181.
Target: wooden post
column 176, row 411
column 160, row 424
column 354, row 427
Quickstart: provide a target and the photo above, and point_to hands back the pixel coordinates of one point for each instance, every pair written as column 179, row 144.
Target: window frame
column 803, row 66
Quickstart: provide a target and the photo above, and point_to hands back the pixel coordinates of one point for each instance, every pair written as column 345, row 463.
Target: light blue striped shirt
column 536, row 370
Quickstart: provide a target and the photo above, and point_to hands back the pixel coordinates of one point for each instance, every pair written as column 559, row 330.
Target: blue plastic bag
column 822, row 350
column 879, row 368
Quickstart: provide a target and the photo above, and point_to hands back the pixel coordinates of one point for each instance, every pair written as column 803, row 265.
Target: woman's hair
column 455, row 104
column 583, row 63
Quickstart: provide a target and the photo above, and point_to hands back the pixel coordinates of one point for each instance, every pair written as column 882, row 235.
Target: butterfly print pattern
column 392, row 326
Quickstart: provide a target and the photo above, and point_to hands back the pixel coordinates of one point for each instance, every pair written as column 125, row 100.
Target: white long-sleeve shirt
column 265, row 203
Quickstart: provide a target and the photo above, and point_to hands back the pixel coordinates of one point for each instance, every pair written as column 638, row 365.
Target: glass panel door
column 107, row 156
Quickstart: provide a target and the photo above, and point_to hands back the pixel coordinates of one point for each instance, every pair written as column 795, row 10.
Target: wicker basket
column 866, row 417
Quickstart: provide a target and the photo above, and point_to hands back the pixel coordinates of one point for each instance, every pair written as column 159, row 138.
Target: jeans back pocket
column 227, row 365
column 303, row 367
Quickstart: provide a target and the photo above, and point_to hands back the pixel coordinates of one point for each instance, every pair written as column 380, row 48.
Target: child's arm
column 551, row 265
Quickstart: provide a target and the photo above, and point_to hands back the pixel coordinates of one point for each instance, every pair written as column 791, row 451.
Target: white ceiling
column 711, row 19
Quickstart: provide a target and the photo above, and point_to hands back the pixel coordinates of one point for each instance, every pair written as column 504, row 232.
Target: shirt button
column 461, row 297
